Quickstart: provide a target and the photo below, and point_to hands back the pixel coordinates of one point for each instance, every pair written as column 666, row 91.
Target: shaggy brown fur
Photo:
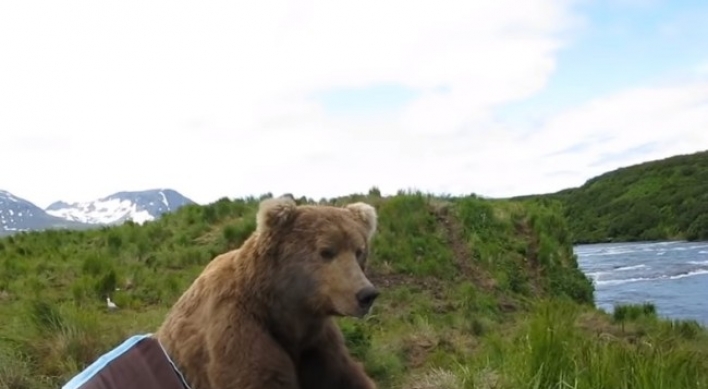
column 261, row 316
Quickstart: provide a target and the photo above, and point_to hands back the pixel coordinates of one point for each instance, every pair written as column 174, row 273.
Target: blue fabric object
column 103, row 361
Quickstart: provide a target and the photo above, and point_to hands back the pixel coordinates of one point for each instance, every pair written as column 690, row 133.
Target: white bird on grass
column 111, row 304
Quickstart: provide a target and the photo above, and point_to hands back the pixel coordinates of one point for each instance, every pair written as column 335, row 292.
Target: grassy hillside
column 658, row 200
column 476, row 294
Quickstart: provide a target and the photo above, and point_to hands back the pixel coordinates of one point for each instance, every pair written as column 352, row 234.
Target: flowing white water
column 672, row 275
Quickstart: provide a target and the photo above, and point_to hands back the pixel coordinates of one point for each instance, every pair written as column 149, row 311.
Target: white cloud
column 211, row 98
column 622, row 129
column 702, row 69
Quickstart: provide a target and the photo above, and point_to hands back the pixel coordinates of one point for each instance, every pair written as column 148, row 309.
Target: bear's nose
column 366, row 296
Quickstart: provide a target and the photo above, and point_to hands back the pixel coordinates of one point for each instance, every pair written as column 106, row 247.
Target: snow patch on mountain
column 18, row 214
column 102, row 211
column 14, row 212
column 5, row 195
column 139, row 207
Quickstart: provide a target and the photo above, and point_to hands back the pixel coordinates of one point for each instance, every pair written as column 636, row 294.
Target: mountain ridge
column 138, row 206
column 18, row 214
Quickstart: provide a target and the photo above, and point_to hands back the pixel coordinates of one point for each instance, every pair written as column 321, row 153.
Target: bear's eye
column 327, row 253
column 359, row 253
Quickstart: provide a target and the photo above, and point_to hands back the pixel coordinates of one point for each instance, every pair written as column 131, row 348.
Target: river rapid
column 672, row 275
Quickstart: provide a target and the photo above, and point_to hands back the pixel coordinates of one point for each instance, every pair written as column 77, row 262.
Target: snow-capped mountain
column 18, row 214
column 138, row 206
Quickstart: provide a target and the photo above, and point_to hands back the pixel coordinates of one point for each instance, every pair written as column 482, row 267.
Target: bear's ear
column 275, row 212
column 367, row 214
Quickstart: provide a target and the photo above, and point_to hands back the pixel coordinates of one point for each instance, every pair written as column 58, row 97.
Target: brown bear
column 262, row 316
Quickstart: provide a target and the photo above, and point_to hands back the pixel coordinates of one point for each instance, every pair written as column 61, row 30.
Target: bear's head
column 318, row 254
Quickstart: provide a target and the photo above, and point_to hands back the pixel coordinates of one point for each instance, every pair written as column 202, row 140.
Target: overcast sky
column 326, row 98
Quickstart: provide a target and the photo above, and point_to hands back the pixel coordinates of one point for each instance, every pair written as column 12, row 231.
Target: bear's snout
column 366, row 297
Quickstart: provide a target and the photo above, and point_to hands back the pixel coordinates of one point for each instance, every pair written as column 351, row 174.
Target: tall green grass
column 560, row 355
column 476, row 294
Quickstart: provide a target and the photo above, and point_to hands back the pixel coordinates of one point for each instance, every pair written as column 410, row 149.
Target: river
column 672, row 275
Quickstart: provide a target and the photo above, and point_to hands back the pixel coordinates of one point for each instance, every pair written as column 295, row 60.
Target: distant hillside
column 657, row 200
column 475, row 293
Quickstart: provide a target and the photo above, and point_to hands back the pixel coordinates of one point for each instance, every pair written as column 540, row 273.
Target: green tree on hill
column 658, row 200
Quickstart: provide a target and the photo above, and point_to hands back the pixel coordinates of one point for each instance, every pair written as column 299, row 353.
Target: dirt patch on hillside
column 432, row 285
column 455, row 236
column 531, row 261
